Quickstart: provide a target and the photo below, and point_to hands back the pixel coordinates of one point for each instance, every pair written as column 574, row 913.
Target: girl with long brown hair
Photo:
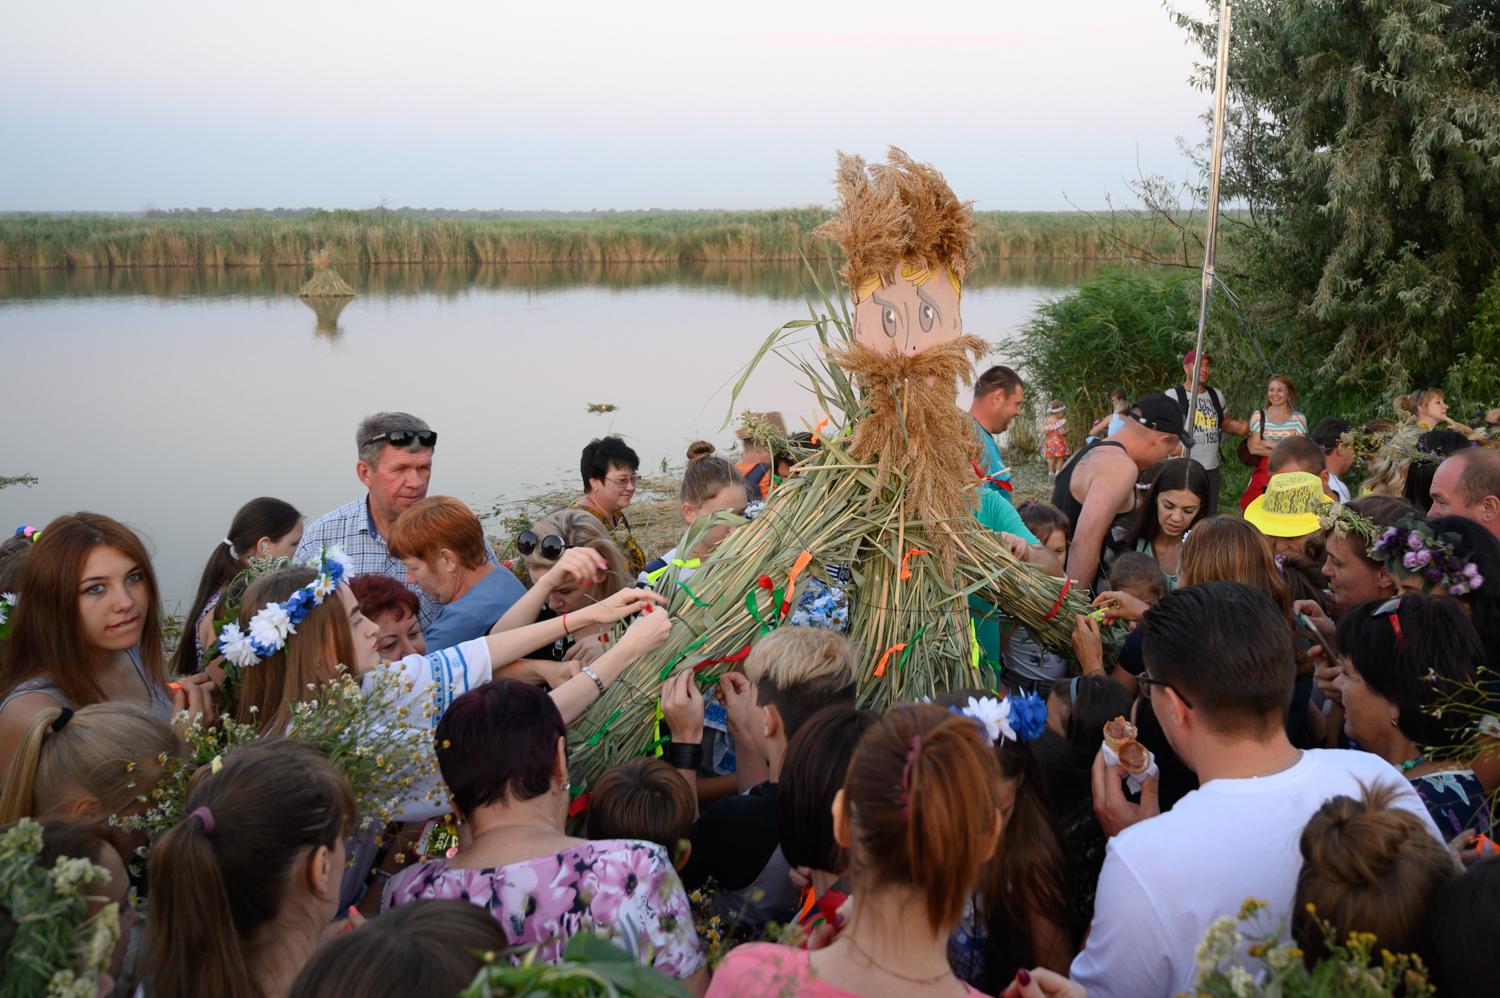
column 87, row 629
column 919, row 813
column 243, row 888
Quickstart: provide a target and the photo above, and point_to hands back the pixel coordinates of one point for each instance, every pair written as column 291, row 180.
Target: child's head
column 645, row 799
column 1048, row 523
column 96, row 844
column 422, row 948
column 1139, row 575
column 86, row 765
column 1078, row 708
column 1367, row 867
column 812, row 774
column 796, row 672
column 712, row 485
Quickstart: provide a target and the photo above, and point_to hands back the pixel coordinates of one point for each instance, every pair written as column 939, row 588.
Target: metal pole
column 1221, row 88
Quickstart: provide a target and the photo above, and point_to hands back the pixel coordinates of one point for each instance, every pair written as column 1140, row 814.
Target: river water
column 169, row 397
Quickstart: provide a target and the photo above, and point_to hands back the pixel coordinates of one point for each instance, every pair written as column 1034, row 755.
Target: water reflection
column 748, row 279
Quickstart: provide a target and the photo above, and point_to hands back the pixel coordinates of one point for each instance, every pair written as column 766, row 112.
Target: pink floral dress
column 617, row 887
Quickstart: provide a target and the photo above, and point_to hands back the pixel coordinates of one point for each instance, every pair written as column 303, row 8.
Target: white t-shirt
column 439, row 678
column 1168, row 878
column 1337, row 486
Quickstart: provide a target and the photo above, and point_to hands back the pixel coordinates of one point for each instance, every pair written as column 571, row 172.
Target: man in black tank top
column 1097, row 487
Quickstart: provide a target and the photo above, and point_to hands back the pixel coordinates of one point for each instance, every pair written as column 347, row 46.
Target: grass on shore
column 357, row 239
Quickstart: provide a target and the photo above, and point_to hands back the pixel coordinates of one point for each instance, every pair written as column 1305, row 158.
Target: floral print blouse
column 622, row 888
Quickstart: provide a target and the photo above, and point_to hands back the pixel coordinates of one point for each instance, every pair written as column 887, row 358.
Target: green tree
column 1363, row 137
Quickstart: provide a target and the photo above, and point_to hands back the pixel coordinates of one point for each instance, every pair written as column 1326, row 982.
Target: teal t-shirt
column 994, row 463
column 995, row 512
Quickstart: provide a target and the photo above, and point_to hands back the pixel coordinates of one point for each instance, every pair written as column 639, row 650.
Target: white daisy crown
column 275, row 622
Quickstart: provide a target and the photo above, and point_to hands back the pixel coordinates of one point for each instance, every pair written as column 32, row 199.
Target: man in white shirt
column 1219, row 674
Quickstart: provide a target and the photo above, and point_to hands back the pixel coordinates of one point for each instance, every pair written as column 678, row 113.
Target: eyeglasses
column 1391, row 609
column 622, row 482
column 550, row 548
column 405, row 438
column 1147, row 682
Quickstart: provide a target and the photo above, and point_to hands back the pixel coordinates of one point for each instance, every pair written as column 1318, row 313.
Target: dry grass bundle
column 913, row 424
column 326, row 284
column 896, row 212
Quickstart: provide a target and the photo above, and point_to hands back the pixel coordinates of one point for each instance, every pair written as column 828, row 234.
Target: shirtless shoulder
column 1102, row 464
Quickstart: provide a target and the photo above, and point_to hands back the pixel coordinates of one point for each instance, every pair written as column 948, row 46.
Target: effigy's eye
column 925, row 315
column 888, row 321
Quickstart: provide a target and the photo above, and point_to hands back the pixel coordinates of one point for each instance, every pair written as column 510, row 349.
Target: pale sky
column 563, row 104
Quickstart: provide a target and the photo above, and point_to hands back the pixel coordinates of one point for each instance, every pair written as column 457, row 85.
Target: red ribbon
column 994, row 479
column 1067, row 584
column 738, row 656
column 578, row 805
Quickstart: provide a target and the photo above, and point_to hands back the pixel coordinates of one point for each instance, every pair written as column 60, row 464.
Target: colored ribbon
column 766, row 626
column 993, row 479
column 819, row 429
column 692, row 595
column 803, row 560
column 738, row 656
column 598, row 736
column 904, row 648
column 666, row 670
column 906, row 562
column 1067, row 584
column 578, row 805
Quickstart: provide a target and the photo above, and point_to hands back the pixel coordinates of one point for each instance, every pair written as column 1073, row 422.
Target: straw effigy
column 325, row 283
column 889, row 498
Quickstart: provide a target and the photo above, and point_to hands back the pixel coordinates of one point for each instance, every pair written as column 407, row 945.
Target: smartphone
column 1328, row 649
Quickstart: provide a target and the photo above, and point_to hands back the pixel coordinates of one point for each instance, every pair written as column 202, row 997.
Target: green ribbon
column 906, row 652
column 655, row 747
column 666, row 670
column 598, row 736
column 766, row 626
column 692, row 595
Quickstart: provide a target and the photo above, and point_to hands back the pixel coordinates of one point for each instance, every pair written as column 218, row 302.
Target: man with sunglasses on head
column 609, row 468
column 1220, row 669
column 395, row 465
column 1096, row 489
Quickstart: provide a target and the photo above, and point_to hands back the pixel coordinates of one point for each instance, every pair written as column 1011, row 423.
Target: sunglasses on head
column 405, row 438
column 549, row 548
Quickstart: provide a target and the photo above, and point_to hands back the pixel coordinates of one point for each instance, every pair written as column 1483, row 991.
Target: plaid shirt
column 352, row 528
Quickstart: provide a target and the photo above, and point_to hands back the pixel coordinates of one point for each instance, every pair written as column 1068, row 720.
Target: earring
column 1394, row 724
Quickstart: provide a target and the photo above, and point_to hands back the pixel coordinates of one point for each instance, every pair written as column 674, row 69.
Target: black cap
column 1162, row 414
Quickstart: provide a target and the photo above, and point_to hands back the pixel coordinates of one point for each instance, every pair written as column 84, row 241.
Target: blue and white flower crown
column 275, row 622
column 1019, row 717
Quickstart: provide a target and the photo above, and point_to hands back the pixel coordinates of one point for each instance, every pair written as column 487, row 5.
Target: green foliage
column 1365, row 139
column 591, row 966
column 361, row 238
column 1125, row 328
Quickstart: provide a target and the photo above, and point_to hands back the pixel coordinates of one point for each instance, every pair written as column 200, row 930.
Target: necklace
column 935, row 978
column 1408, row 765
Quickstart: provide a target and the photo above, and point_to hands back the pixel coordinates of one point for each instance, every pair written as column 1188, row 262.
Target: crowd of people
column 1283, row 712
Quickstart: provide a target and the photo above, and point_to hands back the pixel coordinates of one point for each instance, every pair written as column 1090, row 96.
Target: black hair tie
column 62, row 719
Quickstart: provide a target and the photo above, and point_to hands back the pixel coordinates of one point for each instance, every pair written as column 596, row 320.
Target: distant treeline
column 261, row 238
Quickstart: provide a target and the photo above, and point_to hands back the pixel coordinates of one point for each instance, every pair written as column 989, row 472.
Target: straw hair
column 113, row 752
column 914, row 426
column 894, row 213
column 435, row 523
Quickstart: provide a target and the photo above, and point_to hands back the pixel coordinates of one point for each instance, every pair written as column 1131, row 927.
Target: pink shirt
column 767, row 970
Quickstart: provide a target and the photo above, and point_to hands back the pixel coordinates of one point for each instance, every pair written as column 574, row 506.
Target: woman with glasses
column 572, row 564
column 610, row 472
column 1401, row 658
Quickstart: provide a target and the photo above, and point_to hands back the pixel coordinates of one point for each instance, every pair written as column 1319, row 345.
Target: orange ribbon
column 819, row 428
column 893, row 649
column 803, row 560
column 906, row 562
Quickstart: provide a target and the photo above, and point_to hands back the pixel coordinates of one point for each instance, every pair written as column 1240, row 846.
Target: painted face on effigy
column 913, row 309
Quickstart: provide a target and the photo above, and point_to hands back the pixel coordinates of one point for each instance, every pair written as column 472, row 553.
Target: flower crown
column 1015, row 718
column 1343, row 521
column 275, row 622
column 1413, row 548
